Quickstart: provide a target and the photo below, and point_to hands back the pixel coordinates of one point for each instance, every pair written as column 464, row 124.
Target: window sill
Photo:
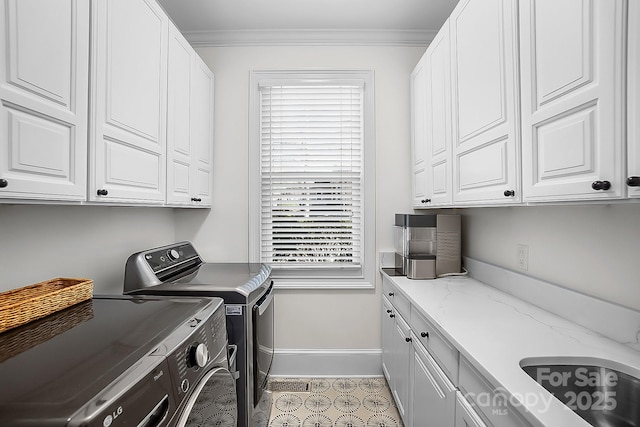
column 321, row 284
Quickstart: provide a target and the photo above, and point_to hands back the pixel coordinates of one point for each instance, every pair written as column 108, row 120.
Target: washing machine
column 120, row 361
column 247, row 290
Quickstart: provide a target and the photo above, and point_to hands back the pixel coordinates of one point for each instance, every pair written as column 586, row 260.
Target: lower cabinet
column 399, row 369
column 431, row 383
column 433, row 394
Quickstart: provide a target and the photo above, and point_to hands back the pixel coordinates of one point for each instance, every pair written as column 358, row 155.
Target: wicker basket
column 32, row 302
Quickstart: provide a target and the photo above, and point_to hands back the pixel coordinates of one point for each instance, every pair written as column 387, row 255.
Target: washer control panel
column 166, row 258
column 206, row 346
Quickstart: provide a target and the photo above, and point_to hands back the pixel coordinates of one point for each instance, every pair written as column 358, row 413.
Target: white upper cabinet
column 189, row 125
column 418, row 84
column 44, row 48
column 202, row 133
column 572, row 99
column 438, row 119
column 129, row 84
column 633, row 97
column 431, row 124
column 486, row 146
column 179, row 147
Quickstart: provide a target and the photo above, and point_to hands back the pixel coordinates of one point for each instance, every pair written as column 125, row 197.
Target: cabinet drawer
column 399, row 301
column 446, row 354
column 499, row 412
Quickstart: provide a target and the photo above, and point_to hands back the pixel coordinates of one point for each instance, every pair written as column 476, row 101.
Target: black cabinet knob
column 392, row 316
column 391, row 294
column 3, row 183
column 601, row 185
column 425, row 201
column 408, row 339
column 424, row 334
column 632, row 181
column 509, row 193
column 102, row 192
column 389, row 311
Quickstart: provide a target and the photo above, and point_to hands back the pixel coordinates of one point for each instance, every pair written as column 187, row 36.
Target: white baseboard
column 326, row 363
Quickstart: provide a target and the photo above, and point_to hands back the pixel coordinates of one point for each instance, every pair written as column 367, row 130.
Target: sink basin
column 603, row 393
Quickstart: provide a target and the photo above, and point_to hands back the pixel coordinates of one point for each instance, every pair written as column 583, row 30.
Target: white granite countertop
column 495, row 331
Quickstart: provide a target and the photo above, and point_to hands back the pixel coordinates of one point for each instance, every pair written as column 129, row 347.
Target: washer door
column 213, row 402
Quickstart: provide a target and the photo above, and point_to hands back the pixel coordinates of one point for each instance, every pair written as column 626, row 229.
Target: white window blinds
column 311, row 166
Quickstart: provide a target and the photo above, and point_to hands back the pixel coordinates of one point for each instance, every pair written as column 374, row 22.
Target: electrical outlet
column 523, row 257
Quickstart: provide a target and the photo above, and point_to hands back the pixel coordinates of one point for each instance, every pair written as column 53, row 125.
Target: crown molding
column 415, row 38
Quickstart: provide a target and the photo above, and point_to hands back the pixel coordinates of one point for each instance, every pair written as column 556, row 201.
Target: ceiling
column 220, row 22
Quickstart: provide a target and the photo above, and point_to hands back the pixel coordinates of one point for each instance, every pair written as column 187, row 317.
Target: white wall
column 589, row 248
column 41, row 242
column 305, row 319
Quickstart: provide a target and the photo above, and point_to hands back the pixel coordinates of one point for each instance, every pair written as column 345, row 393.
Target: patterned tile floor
column 334, row 402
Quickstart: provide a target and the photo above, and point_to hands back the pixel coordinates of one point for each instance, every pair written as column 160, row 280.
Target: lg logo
column 109, row 419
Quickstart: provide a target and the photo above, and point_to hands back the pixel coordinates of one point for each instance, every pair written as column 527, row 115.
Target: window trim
column 306, row 277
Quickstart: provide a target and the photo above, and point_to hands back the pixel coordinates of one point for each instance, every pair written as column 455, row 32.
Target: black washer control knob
column 632, row 181
column 408, row 339
column 424, row 334
column 102, row 192
column 3, row 183
column 198, row 355
column 601, row 185
column 509, row 193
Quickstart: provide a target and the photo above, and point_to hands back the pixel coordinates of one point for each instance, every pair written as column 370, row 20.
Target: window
column 311, row 173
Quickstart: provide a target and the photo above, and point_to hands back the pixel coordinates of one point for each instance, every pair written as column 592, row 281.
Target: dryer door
column 213, row 401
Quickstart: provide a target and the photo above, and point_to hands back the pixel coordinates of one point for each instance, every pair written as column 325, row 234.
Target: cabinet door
column 486, row 146
column 388, row 325
column 418, row 83
column 202, row 132
column 401, row 355
column 465, row 415
column 179, row 141
column 572, row 77
column 44, row 97
column 438, row 117
column 633, row 93
column 432, row 394
column 129, row 70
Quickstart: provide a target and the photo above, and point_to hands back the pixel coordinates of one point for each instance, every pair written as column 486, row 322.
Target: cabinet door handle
column 3, row 183
column 601, row 185
column 509, row 193
column 102, row 192
column 392, row 316
column 408, row 339
column 391, row 294
column 425, row 201
column 632, row 181
column 424, row 334
column 196, row 199
column 389, row 311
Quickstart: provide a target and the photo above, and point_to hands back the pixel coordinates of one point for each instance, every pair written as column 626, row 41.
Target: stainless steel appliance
column 119, row 361
column 427, row 246
column 247, row 290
